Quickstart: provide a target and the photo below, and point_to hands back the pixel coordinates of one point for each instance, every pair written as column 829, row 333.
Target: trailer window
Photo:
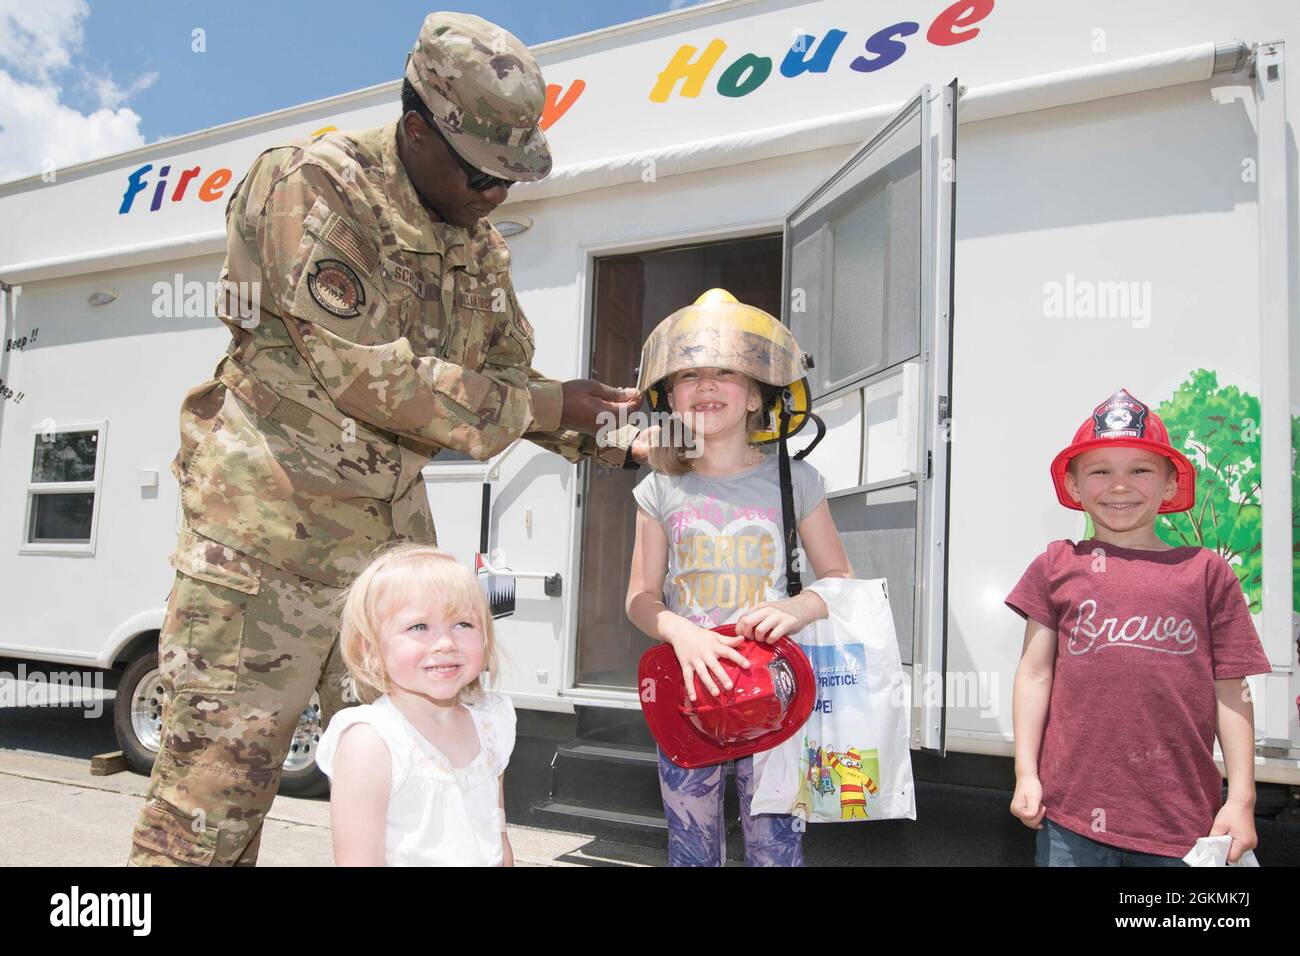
column 855, row 269
column 64, row 488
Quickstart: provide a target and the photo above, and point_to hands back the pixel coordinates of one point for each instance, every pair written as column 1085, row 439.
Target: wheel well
column 140, row 644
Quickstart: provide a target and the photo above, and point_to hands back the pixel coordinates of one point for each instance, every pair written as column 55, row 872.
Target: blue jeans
column 1056, row 845
column 697, row 829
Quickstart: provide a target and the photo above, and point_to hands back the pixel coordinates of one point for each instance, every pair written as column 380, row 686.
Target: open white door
column 867, row 290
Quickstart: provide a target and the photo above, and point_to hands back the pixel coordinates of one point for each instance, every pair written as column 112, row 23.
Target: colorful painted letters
column 954, row 24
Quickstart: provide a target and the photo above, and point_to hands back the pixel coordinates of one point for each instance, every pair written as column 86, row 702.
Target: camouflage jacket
column 366, row 337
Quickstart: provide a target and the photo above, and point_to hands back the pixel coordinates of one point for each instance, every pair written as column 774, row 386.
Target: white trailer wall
column 120, row 364
column 1144, row 189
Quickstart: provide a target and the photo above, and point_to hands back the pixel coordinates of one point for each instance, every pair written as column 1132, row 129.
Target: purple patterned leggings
column 697, row 829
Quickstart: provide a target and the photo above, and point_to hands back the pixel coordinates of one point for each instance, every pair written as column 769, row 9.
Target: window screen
column 855, row 269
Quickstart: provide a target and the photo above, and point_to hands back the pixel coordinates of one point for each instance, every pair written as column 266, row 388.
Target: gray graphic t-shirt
column 724, row 536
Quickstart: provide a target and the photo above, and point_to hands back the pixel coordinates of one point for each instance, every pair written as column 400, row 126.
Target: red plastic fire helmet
column 767, row 704
column 1123, row 420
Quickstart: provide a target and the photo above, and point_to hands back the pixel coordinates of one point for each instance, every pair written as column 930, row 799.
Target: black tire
column 137, row 714
column 304, row 783
column 300, row 776
column 138, row 693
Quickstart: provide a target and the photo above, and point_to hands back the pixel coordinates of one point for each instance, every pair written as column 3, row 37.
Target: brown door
column 609, row 645
column 634, row 294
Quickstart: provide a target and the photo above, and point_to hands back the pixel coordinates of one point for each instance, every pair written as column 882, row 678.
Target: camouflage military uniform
column 382, row 336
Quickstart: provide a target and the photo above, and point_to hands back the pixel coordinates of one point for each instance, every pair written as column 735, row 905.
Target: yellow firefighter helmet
column 717, row 331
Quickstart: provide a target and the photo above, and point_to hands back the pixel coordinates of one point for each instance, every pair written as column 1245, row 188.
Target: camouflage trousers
column 243, row 647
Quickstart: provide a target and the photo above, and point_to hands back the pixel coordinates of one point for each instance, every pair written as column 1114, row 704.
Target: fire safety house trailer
column 981, row 217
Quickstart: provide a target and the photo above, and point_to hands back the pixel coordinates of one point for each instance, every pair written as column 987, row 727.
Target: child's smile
column 712, row 400
column 443, row 671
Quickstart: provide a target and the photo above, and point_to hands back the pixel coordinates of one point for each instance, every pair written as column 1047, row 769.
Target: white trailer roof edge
column 1042, row 91
column 1037, row 92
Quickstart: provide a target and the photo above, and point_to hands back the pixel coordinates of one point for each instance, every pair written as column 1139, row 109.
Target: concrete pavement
column 53, row 812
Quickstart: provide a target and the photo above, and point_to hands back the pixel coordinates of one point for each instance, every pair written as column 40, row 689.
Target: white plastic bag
column 851, row 761
column 1213, row 851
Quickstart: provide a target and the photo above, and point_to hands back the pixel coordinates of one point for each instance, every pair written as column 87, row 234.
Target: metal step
column 633, row 754
column 607, row 777
column 613, row 776
column 618, row 818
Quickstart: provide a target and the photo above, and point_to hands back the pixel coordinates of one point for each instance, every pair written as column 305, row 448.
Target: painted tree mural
column 1218, row 430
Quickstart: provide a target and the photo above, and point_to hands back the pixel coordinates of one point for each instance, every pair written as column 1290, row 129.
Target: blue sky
column 84, row 78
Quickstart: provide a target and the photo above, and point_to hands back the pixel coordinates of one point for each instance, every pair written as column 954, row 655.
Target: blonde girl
column 416, row 770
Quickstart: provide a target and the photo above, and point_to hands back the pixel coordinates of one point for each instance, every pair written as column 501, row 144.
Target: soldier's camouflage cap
column 486, row 93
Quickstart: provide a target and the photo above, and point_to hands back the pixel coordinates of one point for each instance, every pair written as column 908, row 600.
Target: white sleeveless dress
column 438, row 815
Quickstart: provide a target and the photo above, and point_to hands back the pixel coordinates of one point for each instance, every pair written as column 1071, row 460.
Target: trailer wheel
column 138, row 710
column 300, row 776
column 137, row 721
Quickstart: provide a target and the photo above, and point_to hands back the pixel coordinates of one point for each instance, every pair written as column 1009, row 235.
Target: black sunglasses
column 479, row 181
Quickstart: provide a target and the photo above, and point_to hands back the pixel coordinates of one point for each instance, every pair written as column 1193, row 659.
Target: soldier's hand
column 585, row 398
column 641, row 446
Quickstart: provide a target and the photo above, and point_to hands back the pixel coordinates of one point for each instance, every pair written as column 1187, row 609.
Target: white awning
column 1041, row 92
column 1045, row 91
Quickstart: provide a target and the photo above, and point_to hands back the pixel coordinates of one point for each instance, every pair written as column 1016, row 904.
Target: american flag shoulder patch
column 524, row 325
column 344, row 236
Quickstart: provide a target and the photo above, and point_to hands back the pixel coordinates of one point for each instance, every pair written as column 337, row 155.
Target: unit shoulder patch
column 337, row 288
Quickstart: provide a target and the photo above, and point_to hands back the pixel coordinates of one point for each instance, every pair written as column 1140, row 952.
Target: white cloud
column 39, row 44
column 38, row 39
column 111, row 95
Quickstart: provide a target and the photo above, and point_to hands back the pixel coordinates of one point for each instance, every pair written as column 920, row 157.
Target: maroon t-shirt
column 1141, row 638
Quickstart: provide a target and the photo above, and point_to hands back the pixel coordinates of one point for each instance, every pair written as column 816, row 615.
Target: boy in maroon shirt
column 1134, row 654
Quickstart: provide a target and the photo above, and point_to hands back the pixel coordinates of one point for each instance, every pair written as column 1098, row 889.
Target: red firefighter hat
column 1123, row 420
column 767, row 704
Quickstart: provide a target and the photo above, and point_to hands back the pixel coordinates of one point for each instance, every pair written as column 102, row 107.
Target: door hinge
column 580, row 499
column 929, row 465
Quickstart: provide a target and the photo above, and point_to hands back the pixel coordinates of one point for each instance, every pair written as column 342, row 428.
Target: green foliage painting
column 1218, row 429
